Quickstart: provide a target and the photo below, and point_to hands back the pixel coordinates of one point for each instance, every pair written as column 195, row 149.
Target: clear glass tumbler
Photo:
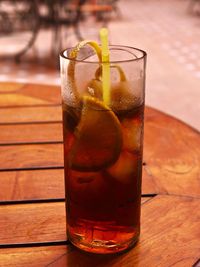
column 103, row 143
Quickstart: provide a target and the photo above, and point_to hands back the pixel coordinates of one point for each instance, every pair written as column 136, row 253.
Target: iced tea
column 103, row 159
column 103, row 203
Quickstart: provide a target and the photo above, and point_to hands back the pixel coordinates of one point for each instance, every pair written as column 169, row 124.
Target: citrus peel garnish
column 98, row 74
column 71, row 67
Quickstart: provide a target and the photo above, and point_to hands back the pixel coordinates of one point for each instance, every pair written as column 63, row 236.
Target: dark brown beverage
column 103, row 92
column 103, row 165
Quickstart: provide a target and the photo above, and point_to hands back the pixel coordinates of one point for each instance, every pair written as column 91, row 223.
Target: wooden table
column 32, row 213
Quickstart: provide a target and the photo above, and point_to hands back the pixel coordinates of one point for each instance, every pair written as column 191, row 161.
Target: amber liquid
column 103, row 207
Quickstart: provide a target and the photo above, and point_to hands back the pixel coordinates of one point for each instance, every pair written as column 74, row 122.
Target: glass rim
column 123, row 47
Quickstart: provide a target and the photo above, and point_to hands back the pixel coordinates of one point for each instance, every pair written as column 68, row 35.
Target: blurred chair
column 19, row 17
column 22, row 16
column 28, row 17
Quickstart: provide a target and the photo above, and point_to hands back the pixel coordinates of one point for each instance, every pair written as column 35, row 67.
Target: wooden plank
column 170, row 233
column 31, row 185
column 37, row 222
column 31, row 156
column 74, row 257
column 25, row 223
column 30, row 114
column 31, row 257
column 34, row 185
column 169, row 237
column 46, row 93
column 6, row 87
column 68, row 256
column 30, row 133
column 28, row 94
column 171, row 154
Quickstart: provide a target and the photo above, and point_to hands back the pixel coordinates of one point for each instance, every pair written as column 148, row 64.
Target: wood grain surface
column 32, row 184
column 172, row 155
column 30, row 133
column 6, row 87
column 34, row 222
column 31, row 156
column 32, row 256
column 32, row 187
column 169, row 237
column 37, row 222
column 12, row 94
column 30, row 114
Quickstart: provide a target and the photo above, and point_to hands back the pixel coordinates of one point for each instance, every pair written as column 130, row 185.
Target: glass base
column 102, row 246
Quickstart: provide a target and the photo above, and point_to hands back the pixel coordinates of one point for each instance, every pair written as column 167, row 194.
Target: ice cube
column 125, row 168
column 132, row 134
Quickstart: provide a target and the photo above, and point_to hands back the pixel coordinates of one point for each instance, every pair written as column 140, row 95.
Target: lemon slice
column 98, row 137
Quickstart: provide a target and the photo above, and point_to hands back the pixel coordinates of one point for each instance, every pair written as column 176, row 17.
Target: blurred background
column 33, row 32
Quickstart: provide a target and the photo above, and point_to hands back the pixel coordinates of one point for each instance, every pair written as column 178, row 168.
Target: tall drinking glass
column 103, row 143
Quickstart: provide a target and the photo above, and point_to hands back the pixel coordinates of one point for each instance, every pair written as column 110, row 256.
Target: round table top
column 32, row 212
